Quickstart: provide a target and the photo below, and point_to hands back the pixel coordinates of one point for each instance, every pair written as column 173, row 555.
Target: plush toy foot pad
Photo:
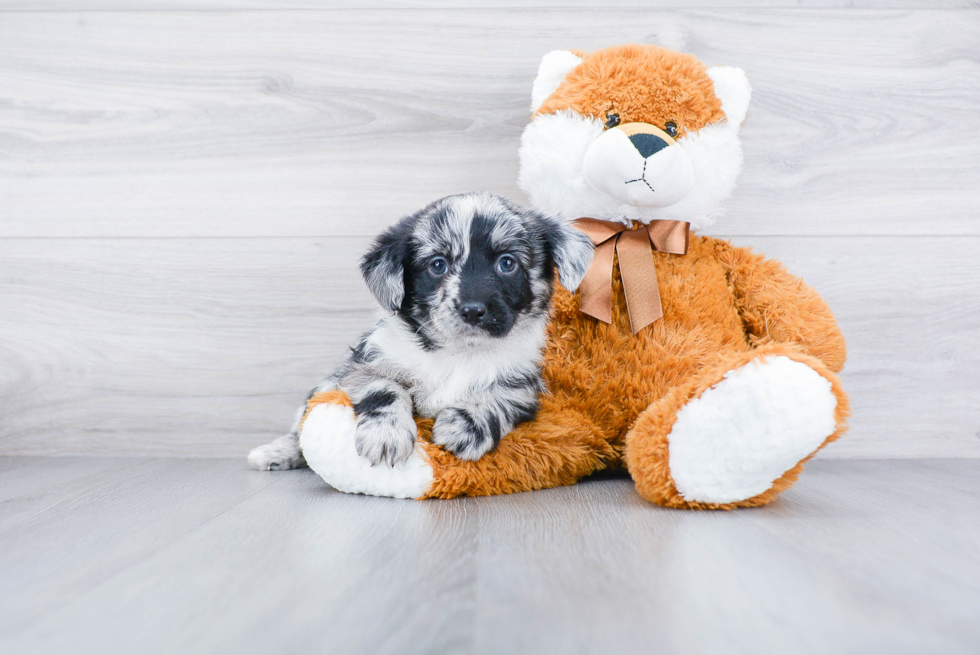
column 746, row 431
column 327, row 440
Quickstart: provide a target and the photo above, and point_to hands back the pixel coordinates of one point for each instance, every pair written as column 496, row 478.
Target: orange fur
column 761, row 286
column 641, row 83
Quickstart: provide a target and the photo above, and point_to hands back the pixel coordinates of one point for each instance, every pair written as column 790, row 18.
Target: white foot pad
column 327, row 440
column 742, row 434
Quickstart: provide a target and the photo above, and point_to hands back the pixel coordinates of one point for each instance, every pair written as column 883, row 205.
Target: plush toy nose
column 473, row 312
column 647, row 144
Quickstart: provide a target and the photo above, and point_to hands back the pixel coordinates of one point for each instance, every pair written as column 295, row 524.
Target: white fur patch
column 327, row 440
column 742, row 434
column 452, row 374
column 552, row 70
column 552, row 155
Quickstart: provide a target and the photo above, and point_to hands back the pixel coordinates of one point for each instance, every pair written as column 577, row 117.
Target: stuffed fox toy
column 704, row 370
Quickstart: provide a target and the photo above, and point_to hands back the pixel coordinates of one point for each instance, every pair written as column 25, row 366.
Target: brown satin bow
column 635, row 263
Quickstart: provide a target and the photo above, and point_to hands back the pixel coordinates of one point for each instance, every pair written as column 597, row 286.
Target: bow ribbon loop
column 636, row 264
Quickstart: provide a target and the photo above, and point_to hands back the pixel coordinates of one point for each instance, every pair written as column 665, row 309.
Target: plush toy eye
column 671, row 129
column 506, row 264
column 438, row 266
column 612, row 120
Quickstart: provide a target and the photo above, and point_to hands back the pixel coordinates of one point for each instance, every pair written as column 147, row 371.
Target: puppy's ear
column 383, row 265
column 570, row 248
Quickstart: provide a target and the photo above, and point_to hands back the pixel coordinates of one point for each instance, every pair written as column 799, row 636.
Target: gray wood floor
column 204, row 556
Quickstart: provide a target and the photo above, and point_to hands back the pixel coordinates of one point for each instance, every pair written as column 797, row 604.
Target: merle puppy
column 468, row 281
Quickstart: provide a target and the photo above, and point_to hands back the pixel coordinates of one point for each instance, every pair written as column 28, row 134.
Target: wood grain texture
column 306, row 123
column 205, row 343
column 205, row 347
column 194, row 556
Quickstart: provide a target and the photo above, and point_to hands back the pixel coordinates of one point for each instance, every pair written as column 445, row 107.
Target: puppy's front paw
column 458, row 431
column 385, row 439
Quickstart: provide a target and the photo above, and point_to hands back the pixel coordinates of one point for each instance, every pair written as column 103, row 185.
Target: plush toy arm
column 777, row 307
column 559, row 447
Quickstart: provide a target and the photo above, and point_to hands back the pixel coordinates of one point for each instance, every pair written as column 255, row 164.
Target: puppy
column 468, row 281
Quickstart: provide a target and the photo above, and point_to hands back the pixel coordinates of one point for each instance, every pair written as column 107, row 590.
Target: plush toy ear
column 554, row 67
column 571, row 249
column 733, row 89
column 383, row 265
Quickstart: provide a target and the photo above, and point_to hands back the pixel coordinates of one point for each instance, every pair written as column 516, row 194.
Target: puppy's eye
column 612, row 120
column 671, row 129
column 506, row 264
column 438, row 266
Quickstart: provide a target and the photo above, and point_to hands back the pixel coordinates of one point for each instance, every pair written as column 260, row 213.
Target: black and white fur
column 468, row 281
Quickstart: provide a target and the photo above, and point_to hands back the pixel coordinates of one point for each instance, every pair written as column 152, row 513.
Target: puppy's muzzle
column 473, row 312
column 639, row 164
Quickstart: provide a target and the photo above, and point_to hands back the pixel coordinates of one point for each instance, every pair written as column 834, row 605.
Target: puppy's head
column 473, row 266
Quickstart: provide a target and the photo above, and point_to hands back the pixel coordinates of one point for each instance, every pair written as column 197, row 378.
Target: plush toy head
column 633, row 133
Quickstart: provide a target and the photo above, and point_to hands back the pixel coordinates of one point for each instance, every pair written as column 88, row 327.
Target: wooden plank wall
column 184, row 194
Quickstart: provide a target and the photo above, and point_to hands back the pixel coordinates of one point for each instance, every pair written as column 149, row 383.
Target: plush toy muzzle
column 638, row 164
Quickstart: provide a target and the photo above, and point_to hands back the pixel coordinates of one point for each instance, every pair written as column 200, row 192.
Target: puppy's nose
column 473, row 312
column 647, row 144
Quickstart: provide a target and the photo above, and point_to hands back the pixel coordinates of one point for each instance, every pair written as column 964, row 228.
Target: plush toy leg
column 739, row 432
column 558, row 448
column 327, row 439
